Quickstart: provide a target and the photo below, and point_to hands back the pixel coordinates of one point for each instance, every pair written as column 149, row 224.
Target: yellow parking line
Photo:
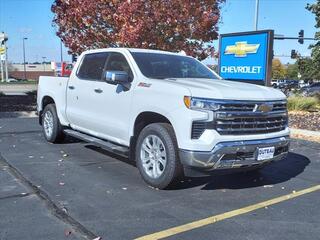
column 210, row 220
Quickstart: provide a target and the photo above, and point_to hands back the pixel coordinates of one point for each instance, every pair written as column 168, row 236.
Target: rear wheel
column 157, row 155
column 52, row 129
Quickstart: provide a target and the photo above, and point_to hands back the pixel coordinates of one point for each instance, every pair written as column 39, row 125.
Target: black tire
column 57, row 134
column 173, row 170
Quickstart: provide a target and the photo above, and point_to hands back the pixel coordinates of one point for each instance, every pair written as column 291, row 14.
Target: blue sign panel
column 245, row 56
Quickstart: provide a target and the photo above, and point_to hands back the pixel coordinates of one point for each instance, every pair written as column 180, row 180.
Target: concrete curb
column 305, row 134
column 22, row 114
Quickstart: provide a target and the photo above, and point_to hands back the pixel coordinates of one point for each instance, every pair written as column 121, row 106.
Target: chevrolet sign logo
column 264, row 108
column 2, row 50
column 241, row 49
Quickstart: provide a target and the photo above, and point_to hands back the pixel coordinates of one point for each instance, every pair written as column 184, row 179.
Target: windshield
column 161, row 66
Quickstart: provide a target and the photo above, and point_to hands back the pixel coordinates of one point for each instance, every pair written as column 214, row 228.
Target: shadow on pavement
column 273, row 173
column 110, row 154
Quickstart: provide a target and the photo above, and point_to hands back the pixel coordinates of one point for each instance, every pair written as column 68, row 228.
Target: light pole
column 61, row 56
column 256, row 16
column 44, row 63
column 24, row 58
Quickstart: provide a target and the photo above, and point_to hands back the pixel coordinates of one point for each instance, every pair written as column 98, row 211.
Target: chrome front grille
column 242, row 118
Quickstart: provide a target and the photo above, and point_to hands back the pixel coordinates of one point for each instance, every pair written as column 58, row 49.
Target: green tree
column 307, row 68
column 278, row 70
column 292, row 71
column 313, row 70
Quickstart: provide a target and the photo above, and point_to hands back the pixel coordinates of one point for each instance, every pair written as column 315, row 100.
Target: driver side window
column 117, row 62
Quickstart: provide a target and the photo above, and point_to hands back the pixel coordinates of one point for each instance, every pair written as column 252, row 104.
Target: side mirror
column 117, row 77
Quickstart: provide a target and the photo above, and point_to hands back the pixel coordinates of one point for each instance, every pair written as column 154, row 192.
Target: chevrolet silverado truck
column 170, row 113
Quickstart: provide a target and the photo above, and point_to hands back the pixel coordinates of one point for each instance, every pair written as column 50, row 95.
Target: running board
column 117, row 149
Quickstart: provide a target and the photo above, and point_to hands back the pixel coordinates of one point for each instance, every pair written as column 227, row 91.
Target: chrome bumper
column 227, row 155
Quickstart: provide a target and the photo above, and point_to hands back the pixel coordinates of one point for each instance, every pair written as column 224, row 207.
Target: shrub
column 299, row 103
column 317, row 96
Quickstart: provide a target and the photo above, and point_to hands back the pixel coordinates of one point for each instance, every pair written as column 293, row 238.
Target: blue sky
column 32, row 19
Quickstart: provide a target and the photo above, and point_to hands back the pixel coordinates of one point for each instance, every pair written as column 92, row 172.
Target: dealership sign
column 246, row 56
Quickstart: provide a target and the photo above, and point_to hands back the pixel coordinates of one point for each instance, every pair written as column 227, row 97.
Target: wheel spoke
column 154, row 170
column 148, row 144
column 147, row 165
column 156, row 142
column 146, row 149
column 162, row 162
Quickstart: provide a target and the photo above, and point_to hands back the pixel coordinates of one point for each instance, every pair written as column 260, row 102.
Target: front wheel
column 157, row 155
column 51, row 126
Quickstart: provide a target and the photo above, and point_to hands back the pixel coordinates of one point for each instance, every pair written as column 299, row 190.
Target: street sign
column 246, row 56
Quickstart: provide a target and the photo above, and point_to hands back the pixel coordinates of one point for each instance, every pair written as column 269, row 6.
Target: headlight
column 201, row 104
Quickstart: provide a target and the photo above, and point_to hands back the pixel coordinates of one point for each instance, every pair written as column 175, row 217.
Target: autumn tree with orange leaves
column 172, row 25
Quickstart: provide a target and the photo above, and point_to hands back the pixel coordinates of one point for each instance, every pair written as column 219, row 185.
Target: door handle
column 71, row 87
column 98, row 90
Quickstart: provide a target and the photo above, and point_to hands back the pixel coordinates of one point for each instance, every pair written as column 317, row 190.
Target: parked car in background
column 289, row 84
column 311, row 89
column 274, row 83
column 12, row 80
column 303, row 83
column 63, row 69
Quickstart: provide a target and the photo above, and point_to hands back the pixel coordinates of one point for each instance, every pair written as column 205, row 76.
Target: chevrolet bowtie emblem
column 264, row 108
column 241, row 49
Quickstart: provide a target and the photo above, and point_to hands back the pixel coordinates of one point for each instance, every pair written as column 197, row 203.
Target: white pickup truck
column 168, row 112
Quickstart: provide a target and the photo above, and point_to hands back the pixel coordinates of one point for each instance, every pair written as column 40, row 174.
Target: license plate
column 265, row 153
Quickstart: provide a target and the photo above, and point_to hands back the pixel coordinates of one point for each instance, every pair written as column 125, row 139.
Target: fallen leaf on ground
column 65, row 210
column 67, row 232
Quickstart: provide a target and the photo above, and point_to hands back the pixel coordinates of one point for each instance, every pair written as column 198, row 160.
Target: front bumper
column 236, row 154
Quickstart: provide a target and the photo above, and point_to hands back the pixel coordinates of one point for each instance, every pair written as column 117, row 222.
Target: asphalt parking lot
column 77, row 191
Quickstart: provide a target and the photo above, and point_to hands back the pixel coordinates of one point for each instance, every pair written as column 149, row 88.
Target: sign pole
column 61, row 55
column 2, row 75
column 6, row 62
column 256, row 16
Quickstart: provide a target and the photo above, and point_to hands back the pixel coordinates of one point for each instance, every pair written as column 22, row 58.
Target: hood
column 223, row 89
